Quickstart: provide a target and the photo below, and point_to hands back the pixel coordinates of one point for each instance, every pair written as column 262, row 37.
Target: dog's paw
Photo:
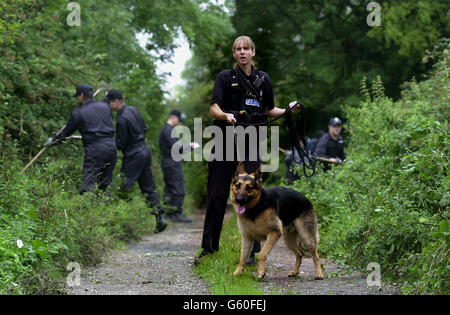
column 318, row 278
column 238, row 272
column 292, row 274
column 261, row 276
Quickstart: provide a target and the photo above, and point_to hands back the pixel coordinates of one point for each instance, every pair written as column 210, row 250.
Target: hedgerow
column 45, row 224
column 391, row 205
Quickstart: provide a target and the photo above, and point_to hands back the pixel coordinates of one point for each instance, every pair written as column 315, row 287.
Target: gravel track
column 337, row 282
column 161, row 264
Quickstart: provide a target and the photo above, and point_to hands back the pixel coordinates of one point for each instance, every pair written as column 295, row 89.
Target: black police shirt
column 94, row 121
column 230, row 94
column 130, row 129
column 327, row 147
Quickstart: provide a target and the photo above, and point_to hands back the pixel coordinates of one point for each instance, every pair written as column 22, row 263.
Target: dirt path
column 161, row 264
column 337, row 282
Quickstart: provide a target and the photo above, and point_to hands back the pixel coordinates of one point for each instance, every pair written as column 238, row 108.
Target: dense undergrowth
column 45, row 224
column 391, row 206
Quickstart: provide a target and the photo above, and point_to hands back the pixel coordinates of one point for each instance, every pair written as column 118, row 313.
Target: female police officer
column 241, row 95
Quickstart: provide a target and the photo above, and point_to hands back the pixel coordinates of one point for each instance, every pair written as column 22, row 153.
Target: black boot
column 179, row 217
column 161, row 223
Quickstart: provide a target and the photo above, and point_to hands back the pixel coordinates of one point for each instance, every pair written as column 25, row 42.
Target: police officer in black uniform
column 137, row 159
column 174, row 190
column 94, row 121
column 241, row 95
column 331, row 144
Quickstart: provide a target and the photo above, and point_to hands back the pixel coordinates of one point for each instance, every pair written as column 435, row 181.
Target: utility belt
column 135, row 144
column 245, row 117
column 93, row 137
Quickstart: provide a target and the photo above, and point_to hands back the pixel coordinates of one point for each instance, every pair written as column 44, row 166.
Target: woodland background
column 390, row 84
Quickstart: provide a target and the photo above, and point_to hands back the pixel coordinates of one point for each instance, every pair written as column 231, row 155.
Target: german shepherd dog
column 265, row 214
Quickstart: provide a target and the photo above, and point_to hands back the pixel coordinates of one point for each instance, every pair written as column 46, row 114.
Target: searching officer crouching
column 137, row 158
column 331, row 145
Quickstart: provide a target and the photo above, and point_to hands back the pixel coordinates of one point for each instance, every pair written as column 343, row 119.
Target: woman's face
column 243, row 53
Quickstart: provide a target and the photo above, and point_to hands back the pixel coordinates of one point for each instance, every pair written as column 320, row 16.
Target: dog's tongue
column 240, row 209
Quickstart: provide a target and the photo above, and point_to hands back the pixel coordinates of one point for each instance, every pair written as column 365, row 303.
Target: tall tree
column 320, row 50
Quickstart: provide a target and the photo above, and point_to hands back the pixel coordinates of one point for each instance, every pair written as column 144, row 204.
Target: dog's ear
column 241, row 169
column 258, row 175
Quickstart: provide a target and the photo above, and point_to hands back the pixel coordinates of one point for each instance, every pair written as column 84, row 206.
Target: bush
column 56, row 225
column 391, row 205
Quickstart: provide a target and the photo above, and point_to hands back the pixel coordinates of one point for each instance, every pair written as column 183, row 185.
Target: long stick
column 317, row 158
column 32, row 161
column 328, row 160
column 38, row 155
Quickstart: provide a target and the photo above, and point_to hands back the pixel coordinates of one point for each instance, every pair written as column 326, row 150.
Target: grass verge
column 217, row 269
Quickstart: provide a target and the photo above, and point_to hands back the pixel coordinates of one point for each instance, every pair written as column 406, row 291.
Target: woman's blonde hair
column 246, row 39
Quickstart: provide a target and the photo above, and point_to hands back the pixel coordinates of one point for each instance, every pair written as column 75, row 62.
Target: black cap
column 83, row 89
column 335, row 122
column 181, row 116
column 113, row 95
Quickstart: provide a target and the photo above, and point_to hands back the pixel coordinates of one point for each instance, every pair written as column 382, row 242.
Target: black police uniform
column 232, row 97
column 174, row 191
column 94, row 121
column 328, row 148
column 137, row 158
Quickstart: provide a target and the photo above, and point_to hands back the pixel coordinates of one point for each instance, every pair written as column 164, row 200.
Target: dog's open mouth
column 240, row 209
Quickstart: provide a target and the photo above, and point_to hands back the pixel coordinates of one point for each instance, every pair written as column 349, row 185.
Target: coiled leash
column 296, row 134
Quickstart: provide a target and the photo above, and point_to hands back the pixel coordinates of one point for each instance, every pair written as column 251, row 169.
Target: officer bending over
column 137, row 159
column 94, row 121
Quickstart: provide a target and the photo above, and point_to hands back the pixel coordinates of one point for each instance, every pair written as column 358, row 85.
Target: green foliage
column 42, row 59
column 57, row 226
column 318, row 51
column 391, row 205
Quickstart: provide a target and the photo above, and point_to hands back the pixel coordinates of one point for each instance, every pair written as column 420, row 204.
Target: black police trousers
column 98, row 166
column 174, row 191
column 220, row 174
column 136, row 166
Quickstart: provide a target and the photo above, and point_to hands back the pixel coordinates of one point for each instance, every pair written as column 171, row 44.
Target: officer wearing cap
column 331, row 144
column 174, row 190
column 94, row 121
column 137, row 158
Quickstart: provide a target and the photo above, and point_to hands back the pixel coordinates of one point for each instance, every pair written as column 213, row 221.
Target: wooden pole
column 38, row 155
